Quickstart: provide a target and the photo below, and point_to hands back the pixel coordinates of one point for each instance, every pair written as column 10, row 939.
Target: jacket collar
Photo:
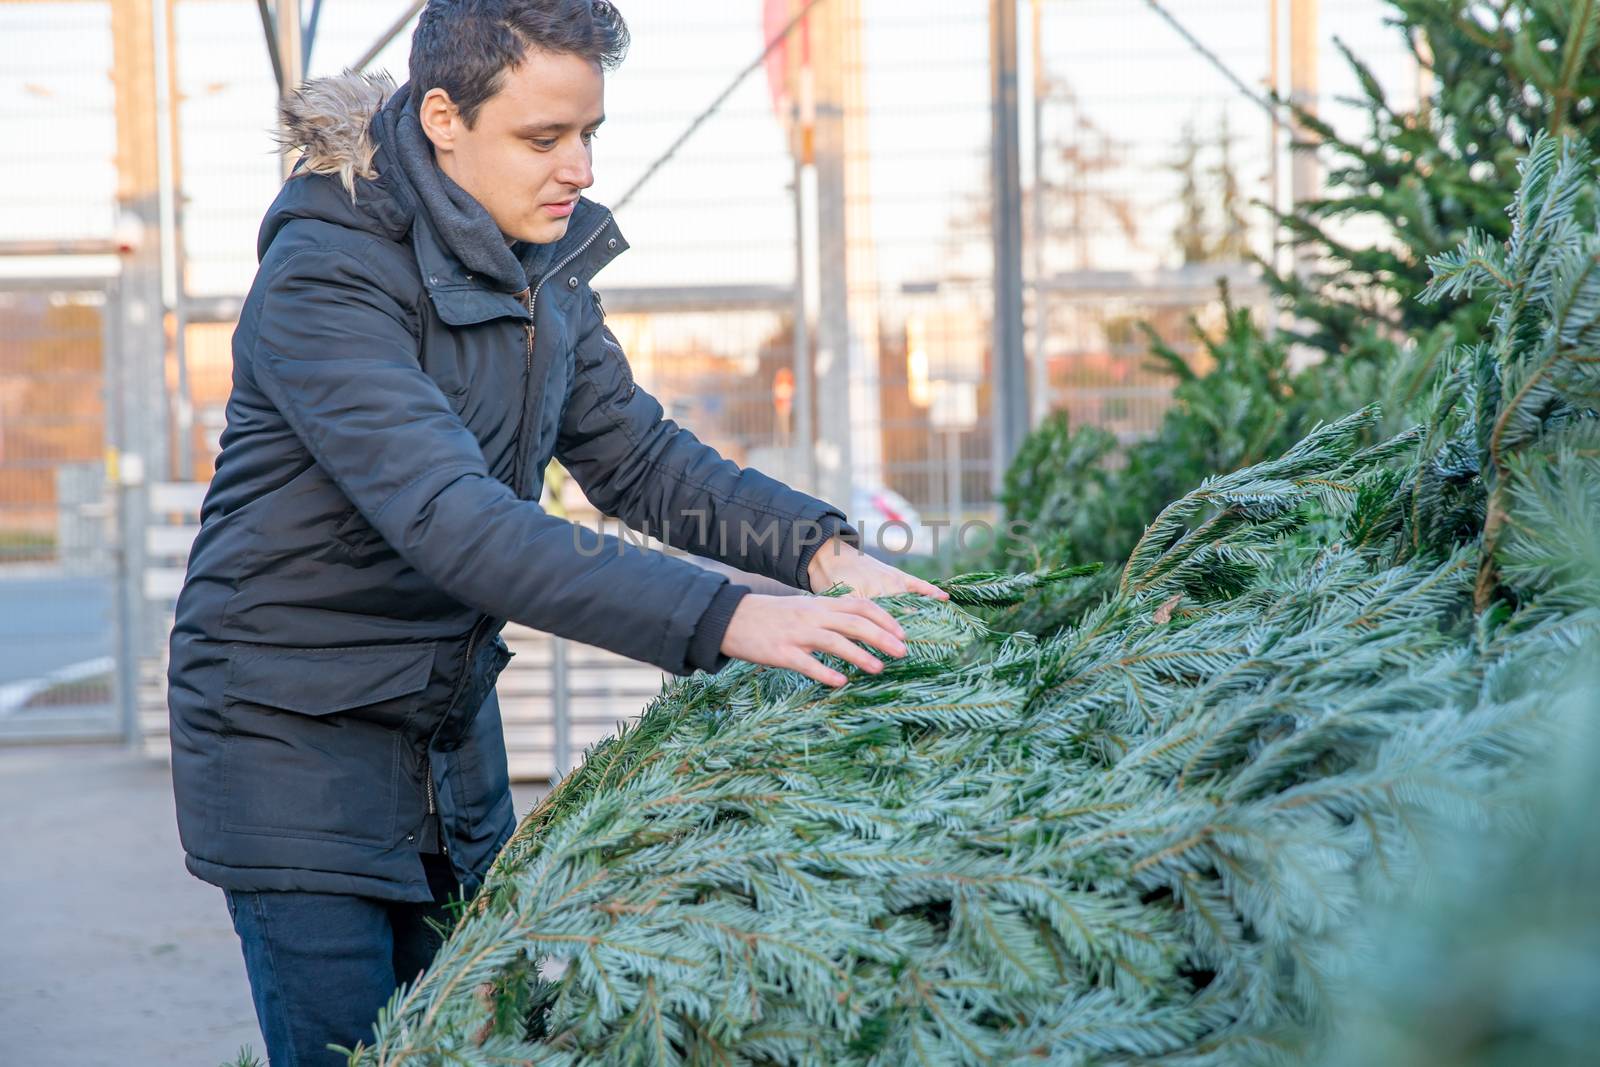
column 592, row 240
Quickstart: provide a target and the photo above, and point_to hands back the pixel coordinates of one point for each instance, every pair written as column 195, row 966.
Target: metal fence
column 58, row 535
column 816, row 304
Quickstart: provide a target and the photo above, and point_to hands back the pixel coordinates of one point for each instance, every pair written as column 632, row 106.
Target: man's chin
column 541, row 231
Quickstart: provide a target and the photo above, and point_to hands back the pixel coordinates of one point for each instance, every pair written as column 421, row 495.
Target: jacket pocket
column 482, row 672
column 313, row 738
column 483, row 780
column 359, row 537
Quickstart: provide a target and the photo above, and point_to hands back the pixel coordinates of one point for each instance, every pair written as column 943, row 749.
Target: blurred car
column 891, row 528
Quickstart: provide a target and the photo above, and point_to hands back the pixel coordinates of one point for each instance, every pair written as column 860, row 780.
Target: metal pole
column 286, row 29
column 802, row 126
column 1424, row 57
column 833, row 440
column 71, row 246
column 129, row 584
column 171, row 232
column 1008, row 411
column 952, row 466
column 861, row 264
column 264, row 9
column 560, row 709
column 387, row 36
column 803, row 444
column 309, row 38
column 1041, row 300
column 1274, row 135
column 139, row 341
column 1307, row 174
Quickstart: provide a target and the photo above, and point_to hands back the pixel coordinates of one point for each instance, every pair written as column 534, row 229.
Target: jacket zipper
column 427, row 777
column 581, row 249
column 531, row 297
column 427, row 757
column 522, row 418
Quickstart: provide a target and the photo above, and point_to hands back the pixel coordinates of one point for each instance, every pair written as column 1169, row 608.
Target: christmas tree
column 1492, row 961
column 1150, row 837
column 1494, row 77
column 1412, row 185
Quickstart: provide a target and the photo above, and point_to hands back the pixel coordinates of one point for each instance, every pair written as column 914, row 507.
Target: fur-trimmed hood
column 345, row 175
column 330, row 121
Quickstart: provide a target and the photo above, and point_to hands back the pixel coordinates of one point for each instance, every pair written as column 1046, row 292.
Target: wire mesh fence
column 1145, row 155
column 57, row 530
column 52, row 427
column 57, row 525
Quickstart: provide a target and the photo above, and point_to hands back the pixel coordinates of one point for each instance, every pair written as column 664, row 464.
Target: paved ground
column 110, row 952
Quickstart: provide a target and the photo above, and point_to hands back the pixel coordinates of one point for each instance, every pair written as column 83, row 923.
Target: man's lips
column 561, row 209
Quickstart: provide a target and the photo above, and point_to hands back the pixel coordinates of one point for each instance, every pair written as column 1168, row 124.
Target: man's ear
column 440, row 119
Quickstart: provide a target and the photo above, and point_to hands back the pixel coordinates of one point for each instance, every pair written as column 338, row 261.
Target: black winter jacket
column 373, row 524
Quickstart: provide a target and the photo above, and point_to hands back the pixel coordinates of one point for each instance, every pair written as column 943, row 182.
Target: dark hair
column 465, row 47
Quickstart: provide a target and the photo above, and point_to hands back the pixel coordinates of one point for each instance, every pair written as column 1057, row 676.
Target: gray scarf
column 463, row 224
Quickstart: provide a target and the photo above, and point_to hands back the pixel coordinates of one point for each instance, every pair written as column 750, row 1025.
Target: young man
column 420, row 341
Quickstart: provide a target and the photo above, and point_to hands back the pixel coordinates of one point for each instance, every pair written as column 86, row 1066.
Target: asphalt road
column 51, row 622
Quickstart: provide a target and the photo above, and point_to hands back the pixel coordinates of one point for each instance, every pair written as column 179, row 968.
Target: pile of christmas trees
column 1148, row 837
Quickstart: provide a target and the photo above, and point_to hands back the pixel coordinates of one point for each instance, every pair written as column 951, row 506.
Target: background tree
column 1192, row 235
column 1212, row 227
column 1422, row 181
column 1499, row 74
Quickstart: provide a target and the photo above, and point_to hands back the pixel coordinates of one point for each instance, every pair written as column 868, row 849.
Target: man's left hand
column 837, row 561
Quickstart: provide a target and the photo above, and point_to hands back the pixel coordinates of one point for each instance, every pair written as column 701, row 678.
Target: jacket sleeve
column 333, row 353
column 656, row 476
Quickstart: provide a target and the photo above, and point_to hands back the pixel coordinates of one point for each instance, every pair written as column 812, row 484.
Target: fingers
column 813, row 668
column 840, row 622
column 844, row 619
column 887, row 581
column 868, row 631
column 874, row 613
column 802, row 660
column 847, row 650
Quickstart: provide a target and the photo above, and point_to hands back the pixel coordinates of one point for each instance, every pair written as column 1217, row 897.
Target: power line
column 1264, row 103
column 387, row 37
column 716, row 105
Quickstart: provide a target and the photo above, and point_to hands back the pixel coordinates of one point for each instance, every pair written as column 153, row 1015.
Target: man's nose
column 578, row 169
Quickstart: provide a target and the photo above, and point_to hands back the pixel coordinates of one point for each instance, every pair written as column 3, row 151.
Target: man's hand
column 839, row 561
column 784, row 631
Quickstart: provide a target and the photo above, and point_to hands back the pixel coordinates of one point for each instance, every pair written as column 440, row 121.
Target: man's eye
column 589, row 137
column 543, row 145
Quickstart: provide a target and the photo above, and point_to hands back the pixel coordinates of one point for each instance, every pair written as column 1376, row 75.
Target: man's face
column 528, row 155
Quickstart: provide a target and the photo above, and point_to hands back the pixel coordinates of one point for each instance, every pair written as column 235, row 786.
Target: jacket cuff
column 829, row 526
column 705, row 647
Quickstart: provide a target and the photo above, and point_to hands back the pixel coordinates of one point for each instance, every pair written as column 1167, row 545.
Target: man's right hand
column 784, row 631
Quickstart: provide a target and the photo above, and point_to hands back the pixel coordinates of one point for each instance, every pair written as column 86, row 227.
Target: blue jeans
column 321, row 965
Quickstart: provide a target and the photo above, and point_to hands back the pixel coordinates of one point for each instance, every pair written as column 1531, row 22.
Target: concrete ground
column 110, row 952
